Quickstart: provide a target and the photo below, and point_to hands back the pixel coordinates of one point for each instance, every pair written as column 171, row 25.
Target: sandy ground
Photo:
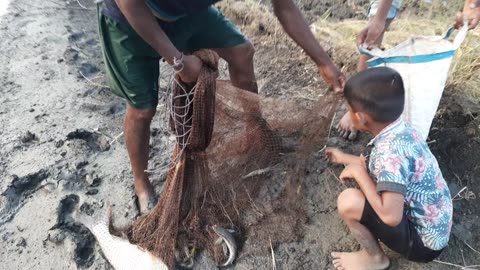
column 55, row 152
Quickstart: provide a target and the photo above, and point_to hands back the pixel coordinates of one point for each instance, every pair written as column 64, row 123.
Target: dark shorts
column 403, row 238
column 132, row 66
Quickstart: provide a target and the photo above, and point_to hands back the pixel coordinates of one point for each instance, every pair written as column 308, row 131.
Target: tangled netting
column 238, row 163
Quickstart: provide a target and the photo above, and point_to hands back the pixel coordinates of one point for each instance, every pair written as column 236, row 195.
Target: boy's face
column 358, row 119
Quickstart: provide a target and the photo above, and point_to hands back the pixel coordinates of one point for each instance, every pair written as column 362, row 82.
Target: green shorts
column 132, row 66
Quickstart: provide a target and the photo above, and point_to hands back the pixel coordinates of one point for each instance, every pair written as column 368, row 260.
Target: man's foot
column 346, row 129
column 146, row 198
column 359, row 260
column 145, row 204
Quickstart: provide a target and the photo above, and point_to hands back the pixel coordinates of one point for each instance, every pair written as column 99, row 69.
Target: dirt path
column 54, row 137
column 55, row 152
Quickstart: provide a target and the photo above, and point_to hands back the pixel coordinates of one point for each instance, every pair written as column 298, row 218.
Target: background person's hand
column 471, row 12
column 369, row 35
column 333, row 76
column 191, row 69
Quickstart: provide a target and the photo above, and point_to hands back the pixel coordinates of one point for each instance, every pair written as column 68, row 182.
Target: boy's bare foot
column 145, row 195
column 359, row 260
column 346, row 129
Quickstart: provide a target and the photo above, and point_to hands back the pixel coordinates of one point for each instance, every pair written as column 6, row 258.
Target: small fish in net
column 231, row 145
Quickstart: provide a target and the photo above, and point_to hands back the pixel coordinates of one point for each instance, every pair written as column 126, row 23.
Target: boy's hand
column 369, row 35
column 333, row 76
column 471, row 12
column 351, row 172
column 335, row 155
column 191, row 68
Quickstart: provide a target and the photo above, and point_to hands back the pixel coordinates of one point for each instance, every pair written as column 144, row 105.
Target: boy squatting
column 403, row 199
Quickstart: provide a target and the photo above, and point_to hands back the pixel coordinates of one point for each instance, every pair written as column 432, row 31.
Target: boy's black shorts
column 403, row 238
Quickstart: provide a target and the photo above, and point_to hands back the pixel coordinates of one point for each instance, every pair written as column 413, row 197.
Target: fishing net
column 239, row 163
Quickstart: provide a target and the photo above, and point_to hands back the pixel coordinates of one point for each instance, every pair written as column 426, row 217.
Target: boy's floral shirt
column 401, row 161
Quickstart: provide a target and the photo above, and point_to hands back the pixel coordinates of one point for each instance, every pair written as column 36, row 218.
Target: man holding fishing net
column 135, row 34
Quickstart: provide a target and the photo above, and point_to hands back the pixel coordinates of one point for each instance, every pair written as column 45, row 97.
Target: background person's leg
column 362, row 62
column 345, row 126
column 351, row 204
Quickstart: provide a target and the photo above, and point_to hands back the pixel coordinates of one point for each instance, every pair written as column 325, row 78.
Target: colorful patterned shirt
column 401, row 162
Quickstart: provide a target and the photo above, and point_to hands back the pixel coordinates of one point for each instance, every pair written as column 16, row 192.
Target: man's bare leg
column 137, row 137
column 242, row 75
column 345, row 126
column 350, row 206
column 240, row 65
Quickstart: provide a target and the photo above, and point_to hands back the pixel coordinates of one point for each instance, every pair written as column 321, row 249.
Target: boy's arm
column 297, row 28
column 335, row 155
column 388, row 205
column 144, row 22
column 376, row 26
column 351, row 159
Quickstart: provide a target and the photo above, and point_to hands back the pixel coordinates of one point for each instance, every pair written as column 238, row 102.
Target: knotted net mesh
column 239, row 162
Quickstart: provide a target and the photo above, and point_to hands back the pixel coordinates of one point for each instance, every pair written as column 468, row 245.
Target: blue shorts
column 392, row 13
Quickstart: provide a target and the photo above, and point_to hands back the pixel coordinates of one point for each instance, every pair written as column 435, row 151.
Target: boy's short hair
column 378, row 92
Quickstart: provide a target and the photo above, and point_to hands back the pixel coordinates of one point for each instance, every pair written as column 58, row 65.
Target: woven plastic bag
column 423, row 62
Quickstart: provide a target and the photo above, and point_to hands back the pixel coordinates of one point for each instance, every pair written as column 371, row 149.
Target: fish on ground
column 120, row 253
column 226, row 237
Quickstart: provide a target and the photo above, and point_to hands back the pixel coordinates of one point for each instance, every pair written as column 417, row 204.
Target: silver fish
column 121, row 254
column 227, row 238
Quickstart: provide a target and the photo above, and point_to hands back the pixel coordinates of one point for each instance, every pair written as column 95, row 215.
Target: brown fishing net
column 238, row 163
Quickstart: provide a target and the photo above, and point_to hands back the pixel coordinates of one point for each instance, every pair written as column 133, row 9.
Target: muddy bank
column 56, row 129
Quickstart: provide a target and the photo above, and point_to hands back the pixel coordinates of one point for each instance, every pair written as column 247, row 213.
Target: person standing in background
column 381, row 14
